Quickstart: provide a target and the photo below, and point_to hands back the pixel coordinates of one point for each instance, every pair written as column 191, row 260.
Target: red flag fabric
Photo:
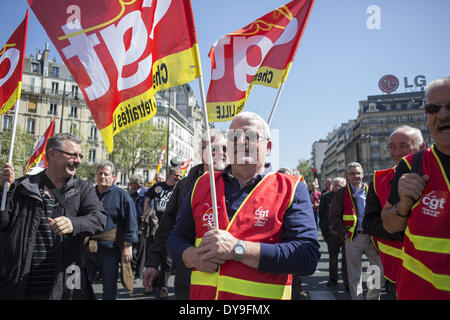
column 260, row 53
column 121, row 53
column 12, row 55
column 38, row 160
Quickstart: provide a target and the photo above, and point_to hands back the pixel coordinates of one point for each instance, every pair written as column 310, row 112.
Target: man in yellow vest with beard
column 346, row 216
column 266, row 228
column 419, row 205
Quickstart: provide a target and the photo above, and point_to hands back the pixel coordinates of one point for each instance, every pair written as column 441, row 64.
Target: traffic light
column 315, row 173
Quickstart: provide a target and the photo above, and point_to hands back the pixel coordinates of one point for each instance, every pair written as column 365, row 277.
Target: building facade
column 366, row 139
column 49, row 91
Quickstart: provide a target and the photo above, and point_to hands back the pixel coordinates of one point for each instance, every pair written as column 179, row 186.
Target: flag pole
column 275, row 104
column 11, row 150
column 209, row 153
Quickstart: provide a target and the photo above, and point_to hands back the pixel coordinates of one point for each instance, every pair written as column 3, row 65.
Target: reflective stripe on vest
column 349, row 215
column 259, row 218
column 390, row 251
column 425, row 272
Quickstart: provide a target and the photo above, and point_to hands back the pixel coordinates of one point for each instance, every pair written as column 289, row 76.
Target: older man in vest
column 419, row 205
column 346, row 216
column 266, row 229
column 403, row 141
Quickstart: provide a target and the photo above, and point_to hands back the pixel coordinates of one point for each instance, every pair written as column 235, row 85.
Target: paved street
column 314, row 286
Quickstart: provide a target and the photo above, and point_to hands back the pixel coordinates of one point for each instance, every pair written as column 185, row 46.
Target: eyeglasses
column 250, row 136
column 433, row 108
column 72, row 155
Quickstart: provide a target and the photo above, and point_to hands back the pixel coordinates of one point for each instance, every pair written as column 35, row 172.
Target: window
column 7, row 123
column 91, row 156
column 73, row 112
column 53, row 109
column 32, row 106
column 55, row 72
column 145, row 173
column 123, row 179
column 74, row 91
column 93, row 133
column 31, row 125
column 55, row 87
column 35, row 67
column 73, row 128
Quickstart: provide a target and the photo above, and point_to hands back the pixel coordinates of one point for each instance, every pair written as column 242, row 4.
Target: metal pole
column 62, row 109
column 167, row 143
column 275, row 103
column 11, row 150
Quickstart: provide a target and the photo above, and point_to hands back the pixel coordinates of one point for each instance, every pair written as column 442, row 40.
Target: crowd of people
column 59, row 234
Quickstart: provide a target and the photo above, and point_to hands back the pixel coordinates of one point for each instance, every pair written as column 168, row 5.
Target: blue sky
column 339, row 61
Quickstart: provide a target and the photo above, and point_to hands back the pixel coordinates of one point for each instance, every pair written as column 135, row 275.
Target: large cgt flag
column 121, row 53
column 38, row 160
column 260, row 53
column 11, row 66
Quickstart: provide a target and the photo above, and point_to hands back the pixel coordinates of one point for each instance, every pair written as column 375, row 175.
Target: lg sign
column 390, row 83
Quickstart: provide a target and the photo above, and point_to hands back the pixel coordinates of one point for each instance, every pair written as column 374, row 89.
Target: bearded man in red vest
column 403, row 141
column 419, row 206
column 346, row 216
column 266, row 228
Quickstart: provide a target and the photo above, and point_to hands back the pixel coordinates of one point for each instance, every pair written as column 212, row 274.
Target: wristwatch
column 239, row 250
column 398, row 213
column 127, row 244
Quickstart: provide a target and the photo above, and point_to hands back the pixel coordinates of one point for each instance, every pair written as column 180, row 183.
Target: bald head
column 403, row 141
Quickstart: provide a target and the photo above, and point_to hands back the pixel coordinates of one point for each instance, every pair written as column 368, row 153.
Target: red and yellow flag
column 158, row 168
column 260, row 53
column 12, row 55
column 121, row 53
column 184, row 166
column 38, row 160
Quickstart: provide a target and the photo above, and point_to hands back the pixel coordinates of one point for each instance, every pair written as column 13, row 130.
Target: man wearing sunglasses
column 43, row 227
column 419, row 206
column 266, row 228
column 168, row 220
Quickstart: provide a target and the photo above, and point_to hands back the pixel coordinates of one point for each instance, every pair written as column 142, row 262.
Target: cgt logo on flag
column 11, row 67
column 260, row 53
column 120, row 55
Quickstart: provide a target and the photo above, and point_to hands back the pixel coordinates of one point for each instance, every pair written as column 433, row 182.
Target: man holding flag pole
column 11, row 84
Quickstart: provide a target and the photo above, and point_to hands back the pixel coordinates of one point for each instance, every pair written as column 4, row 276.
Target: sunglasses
column 433, row 108
column 72, row 155
column 250, row 136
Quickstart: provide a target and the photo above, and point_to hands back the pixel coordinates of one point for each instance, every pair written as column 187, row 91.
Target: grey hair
column 414, row 132
column 285, row 170
column 107, row 164
column 339, row 179
column 354, row 165
column 247, row 116
column 441, row 82
column 215, row 134
column 138, row 179
column 57, row 141
column 174, row 170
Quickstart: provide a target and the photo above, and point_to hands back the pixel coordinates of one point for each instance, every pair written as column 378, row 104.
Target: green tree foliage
column 305, row 169
column 138, row 147
column 23, row 148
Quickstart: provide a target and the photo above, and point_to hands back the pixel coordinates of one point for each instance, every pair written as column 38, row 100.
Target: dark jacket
column 166, row 224
column 337, row 210
column 324, row 211
column 18, row 226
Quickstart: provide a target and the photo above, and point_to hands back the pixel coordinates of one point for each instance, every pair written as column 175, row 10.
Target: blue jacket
column 121, row 213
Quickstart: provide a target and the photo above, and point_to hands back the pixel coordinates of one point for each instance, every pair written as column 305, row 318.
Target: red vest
column 425, row 271
column 258, row 219
column 349, row 215
column 390, row 250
